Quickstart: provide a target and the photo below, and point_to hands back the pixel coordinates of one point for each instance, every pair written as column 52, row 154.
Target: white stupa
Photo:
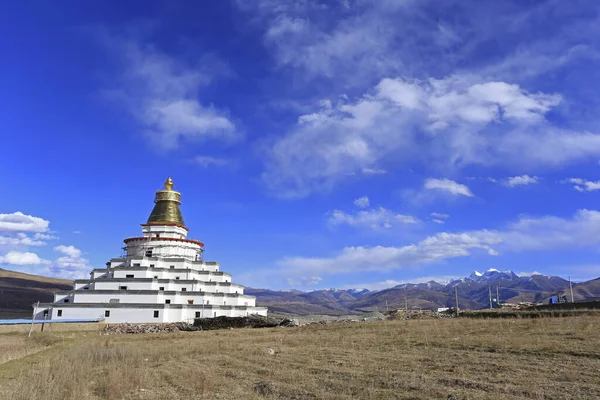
column 161, row 278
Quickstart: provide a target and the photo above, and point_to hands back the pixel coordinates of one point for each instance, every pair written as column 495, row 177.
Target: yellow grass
column 4, row 273
column 429, row 359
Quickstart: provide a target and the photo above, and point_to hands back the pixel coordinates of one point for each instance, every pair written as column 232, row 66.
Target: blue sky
column 349, row 143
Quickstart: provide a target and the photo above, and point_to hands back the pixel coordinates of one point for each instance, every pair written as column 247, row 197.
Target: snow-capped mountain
column 492, row 274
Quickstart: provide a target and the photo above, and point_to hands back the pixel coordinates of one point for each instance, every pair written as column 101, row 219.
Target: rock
column 270, row 351
column 251, row 321
column 119, row 329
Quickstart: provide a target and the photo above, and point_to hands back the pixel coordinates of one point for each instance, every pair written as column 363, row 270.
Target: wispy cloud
column 375, row 219
column 384, row 98
column 162, row 92
column 440, row 215
column 208, row 161
column 449, row 186
column 304, row 282
column 582, row 230
column 362, row 202
column 456, row 115
column 373, row 171
column 583, row 185
column 521, row 180
column 71, row 264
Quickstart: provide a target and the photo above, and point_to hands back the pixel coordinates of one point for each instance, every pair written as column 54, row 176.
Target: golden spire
column 166, row 210
column 169, row 183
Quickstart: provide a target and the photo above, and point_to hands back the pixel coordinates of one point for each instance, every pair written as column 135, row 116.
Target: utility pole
column 571, row 287
column 490, row 292
column 497, row 297
column 456, row 295
column 33, row 317
column 387, row 308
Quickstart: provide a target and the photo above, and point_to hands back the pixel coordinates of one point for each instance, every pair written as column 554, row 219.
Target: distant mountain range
column 18, row 291
column 473, row 293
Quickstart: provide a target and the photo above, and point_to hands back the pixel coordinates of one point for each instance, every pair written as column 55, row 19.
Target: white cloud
column 20, row 240
column 379, row 258
column 456, row 121
column 521, row 180
column 207, row 161
column 162, row 93
column 582, row 230
column 377, row 218
column 528, row 274
column 303, row 282
column 72, row 264
column 440, row 215
column 583, row 185
column 44, row 236
column 19, row 222
column 373, row 171
column 70, row 251
column 438, row 221
column 388, row 105
column 22, row 258
column 362, row 202
column 448, row 186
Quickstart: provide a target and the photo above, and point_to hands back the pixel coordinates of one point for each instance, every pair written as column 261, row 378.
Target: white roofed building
column 162, row 277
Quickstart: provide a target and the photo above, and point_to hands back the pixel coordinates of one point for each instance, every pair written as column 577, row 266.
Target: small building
column 162, row 277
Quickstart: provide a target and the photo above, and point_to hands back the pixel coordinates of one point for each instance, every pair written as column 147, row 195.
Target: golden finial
column 169, row 183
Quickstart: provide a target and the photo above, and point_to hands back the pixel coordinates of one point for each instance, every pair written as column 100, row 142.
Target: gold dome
column 166, row 210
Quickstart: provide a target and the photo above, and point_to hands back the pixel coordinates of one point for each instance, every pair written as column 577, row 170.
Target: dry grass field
column 547, row 358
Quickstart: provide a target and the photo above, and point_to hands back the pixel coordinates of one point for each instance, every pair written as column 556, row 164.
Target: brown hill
column 18, row 291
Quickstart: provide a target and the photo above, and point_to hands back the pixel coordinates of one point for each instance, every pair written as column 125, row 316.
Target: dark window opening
column 155, row 276
column 129, row 276
column 167, row 301
column 45, row 313
column 215, row 313
column 158, row 235
column 184, row 289
column 136, row 265
column 151, row 265
column 197, row 314
column 66, row 300
column 148, row 253
column 176, row 277
column 155, row 314
column 172, row 266
column 122, row 287
column 107, row 313
column 161, row 288
column 59, row 313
